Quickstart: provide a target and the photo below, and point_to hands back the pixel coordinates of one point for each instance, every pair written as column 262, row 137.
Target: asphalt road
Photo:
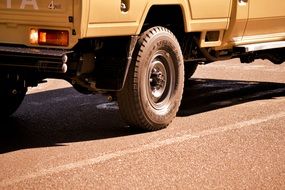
column 228, row 134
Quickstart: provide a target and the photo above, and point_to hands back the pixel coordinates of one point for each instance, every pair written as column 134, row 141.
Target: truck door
column 238, row 21
column 266, row 19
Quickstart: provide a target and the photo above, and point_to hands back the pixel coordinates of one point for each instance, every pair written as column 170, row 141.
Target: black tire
column 190, row 69
column 154, row 86
column 11, row 97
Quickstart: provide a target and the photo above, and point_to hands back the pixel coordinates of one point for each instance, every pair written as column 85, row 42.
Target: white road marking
column 146, row 147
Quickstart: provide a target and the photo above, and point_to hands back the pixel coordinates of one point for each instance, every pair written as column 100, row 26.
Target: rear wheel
column 190, row 69
column 12, row 93
column 153, row 90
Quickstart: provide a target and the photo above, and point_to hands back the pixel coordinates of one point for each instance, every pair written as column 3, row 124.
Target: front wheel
column 153, row 90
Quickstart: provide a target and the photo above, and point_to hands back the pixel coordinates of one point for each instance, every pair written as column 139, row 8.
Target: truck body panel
column 266, row 20
column 203, row 9
column 18, row 17
column 91, row 20
column 239, row 17
column 197, row 16
column 95, row 18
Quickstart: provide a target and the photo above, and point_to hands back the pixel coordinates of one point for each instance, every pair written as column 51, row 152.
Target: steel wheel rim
column 160, row 80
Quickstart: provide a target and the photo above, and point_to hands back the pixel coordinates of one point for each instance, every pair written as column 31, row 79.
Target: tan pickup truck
column 138, row 51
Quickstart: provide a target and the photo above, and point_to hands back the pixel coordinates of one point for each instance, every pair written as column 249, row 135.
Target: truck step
column 262, row 46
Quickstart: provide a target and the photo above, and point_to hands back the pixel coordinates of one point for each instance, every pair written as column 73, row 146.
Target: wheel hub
column 157, row 80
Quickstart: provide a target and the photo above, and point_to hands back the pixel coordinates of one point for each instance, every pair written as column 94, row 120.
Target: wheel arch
column 180, row 10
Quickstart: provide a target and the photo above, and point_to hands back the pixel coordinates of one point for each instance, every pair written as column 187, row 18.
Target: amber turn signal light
column 49, row 37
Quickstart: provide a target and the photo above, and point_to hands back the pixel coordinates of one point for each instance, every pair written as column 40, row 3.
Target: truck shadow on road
column 54, row 118
column 201, row 95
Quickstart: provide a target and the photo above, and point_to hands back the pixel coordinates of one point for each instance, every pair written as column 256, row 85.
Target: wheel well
column 169, row 16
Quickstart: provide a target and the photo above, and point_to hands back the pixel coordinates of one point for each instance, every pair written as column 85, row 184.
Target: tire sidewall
column 10, row 102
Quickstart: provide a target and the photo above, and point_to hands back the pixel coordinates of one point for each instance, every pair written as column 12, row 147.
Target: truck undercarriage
column 102, row 66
